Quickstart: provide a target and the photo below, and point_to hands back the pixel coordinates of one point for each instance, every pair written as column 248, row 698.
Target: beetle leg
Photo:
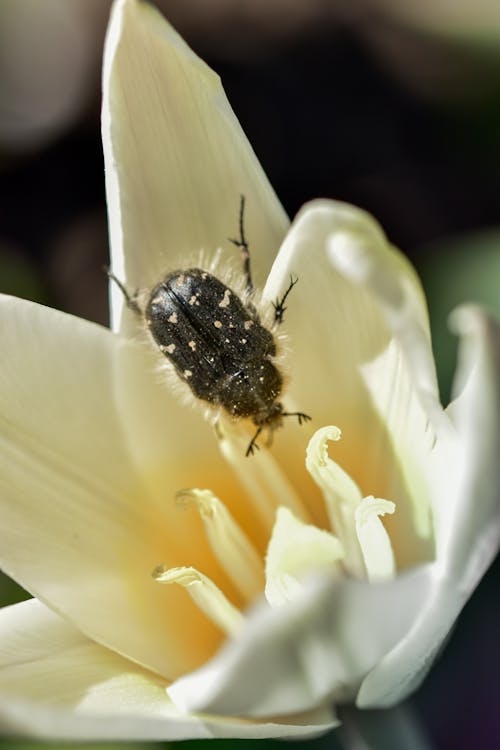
column 279, row 305
column 130, row 299
column 253, row 442
column 299, row 414
column 242, row 244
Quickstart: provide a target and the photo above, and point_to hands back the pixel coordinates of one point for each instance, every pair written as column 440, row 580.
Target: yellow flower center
column 355, row 543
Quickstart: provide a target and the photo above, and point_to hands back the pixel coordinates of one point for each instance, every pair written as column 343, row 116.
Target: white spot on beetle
column 243, row 341
column 192, row 299
column 170, row 348
column 187, row 373
column 247, row 324
column 217, row 324
column 192, row 345
column 226, row 299
column 173, row 318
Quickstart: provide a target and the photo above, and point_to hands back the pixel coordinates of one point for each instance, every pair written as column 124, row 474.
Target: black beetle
column 216, row 341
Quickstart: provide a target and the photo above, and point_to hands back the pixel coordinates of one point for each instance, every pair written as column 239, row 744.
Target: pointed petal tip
column 134, row 16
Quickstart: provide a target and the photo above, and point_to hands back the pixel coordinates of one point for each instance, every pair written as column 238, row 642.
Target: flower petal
column 361, row 359
column 467, row 513
column 69, row 687
column 78, row 526
column 469, row 536
column 176, row 157
column 404, row 667
column 314, row 649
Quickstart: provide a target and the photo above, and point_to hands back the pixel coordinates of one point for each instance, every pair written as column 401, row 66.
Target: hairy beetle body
column 216, row 342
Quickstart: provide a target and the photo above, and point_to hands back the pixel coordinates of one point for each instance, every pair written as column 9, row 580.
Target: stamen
column 374, row 540
column 205, row 594
column 342, row 496
column 295, row 551
column 261, row 475
column 231, row 546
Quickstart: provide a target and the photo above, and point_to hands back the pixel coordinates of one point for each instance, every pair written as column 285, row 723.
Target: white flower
column 371, row 551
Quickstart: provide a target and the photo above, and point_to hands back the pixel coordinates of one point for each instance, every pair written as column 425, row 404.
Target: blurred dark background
column 394, row 107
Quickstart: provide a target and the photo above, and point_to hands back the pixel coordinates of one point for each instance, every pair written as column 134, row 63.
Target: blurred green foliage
column 20, row 277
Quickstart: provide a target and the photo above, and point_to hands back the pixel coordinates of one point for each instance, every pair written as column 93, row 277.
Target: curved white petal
column 30, row 631
column 362, row 254
column 360, row 358
column 57, row 684
column 467, row 511
column 176, row 157
column 402, row 670
column 469, row 536
column 78, row 526
column 315, row 649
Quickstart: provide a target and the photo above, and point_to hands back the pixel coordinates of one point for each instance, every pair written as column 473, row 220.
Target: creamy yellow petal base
column 264, row 479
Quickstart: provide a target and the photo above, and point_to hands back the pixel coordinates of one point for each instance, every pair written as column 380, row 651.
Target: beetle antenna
column 130, row 299
column 242, row 244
